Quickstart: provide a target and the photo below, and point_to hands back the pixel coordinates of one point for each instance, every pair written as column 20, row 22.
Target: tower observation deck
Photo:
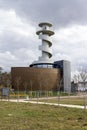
column 44, row 34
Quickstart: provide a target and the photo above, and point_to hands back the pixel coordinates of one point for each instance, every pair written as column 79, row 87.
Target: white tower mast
column 45, row 34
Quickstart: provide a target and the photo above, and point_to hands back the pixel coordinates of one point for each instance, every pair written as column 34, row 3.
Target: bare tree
column 17, row 82
column 76, row 79
column 81, row 77
column 0, row 74
column 26, row 89
column 39, row 91
column 5, row 78
column 59, row 85
column 40, row 85
column 46, row 83
column 31, row 85
column 40, row 82
column 1, row 70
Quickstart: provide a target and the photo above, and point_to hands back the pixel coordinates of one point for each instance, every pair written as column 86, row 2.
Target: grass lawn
column 63, row 100
column 26, row 116
column 68, row 100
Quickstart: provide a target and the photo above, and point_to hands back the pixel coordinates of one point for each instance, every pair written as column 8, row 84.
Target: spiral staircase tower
column 45, row 34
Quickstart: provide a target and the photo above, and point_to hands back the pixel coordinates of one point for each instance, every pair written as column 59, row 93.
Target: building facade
column 35, row 78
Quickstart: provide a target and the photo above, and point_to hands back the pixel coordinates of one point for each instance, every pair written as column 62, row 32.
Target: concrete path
column 53, row 104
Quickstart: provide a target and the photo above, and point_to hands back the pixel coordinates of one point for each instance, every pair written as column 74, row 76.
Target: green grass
column 68, row 100
column 47, row 95
column 26, row 116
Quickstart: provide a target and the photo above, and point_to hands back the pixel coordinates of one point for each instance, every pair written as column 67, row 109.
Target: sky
column 19, row 21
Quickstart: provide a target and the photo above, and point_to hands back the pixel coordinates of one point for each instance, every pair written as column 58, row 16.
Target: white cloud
column 19, row 43
column 71, row 43
column 16, row 38
column 6, row 60
column 11, row 22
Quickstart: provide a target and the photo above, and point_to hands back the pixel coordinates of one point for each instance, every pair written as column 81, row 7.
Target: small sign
column 5, row 91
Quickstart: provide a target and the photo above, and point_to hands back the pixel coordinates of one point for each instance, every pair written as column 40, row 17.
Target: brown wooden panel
column 35, row 78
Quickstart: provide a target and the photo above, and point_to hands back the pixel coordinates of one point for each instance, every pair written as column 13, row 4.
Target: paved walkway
column 53, row 104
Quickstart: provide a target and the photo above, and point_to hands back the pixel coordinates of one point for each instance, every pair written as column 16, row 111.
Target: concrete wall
column 66, row 76
column 35, row 78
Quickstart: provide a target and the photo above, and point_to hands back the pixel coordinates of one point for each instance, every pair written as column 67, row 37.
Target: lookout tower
column 45, row 32
column 44, row 74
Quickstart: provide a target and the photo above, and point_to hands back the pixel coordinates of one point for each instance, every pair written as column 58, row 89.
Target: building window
column 43, row 66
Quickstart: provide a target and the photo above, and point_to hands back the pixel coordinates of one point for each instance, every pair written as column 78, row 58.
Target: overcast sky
column 19, row 20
